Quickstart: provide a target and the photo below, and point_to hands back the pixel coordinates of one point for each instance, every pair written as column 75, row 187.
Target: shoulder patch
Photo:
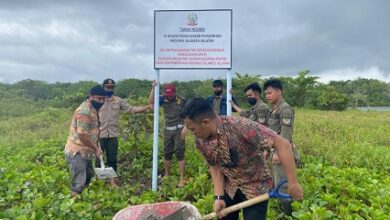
column 286, row 121
column 179, row 100
column 287, row 115
column 261, row 120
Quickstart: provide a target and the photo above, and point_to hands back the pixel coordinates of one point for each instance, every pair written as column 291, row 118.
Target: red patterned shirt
column 237, row 150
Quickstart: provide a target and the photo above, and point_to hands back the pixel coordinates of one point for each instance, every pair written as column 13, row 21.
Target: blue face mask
column 109, row 93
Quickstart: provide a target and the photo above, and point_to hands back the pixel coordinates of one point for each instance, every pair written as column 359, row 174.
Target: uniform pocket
column 115, row 107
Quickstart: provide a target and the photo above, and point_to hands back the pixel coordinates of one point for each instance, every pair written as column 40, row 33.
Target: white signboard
column 193, row 39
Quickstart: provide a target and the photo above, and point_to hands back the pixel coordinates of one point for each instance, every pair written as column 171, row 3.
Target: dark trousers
column 110, row 149
column 81, row 171
column 254, row 212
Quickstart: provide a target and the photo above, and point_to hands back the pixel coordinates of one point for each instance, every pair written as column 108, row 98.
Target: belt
column 173, row 128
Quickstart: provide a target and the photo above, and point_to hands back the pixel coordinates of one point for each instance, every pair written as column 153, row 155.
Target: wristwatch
column 219, row 197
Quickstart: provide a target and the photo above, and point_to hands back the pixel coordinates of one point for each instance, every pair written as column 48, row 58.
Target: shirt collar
column 175, row 100
column 89, row 105
column 278, row 103
column 257, row 103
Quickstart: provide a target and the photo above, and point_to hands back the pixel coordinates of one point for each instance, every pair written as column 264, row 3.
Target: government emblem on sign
column 192, row 19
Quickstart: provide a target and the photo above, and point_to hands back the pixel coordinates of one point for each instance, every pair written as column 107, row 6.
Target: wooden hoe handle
column 238, row 206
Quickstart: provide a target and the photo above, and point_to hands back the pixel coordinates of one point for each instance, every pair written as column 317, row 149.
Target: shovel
column 103, row 172
column 273, row 194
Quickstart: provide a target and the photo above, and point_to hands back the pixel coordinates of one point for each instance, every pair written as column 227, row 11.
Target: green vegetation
column 345, row 174
column 300, row 91
column 347, row 165
column 346, row 160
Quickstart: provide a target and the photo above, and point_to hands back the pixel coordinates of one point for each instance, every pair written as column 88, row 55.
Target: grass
column 345, row 175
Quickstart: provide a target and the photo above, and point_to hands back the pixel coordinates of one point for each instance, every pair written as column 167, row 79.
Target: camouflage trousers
column 278, row 174
column 278, row 171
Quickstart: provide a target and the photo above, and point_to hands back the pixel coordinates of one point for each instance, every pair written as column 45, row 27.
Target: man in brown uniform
column 259, row 111
column 281, row 120
column 173, row 129
column 109, row 124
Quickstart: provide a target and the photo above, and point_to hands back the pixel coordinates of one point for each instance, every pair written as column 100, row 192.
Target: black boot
column 286, row 207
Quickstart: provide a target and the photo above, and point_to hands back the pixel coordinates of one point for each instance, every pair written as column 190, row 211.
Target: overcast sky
column 76, row 40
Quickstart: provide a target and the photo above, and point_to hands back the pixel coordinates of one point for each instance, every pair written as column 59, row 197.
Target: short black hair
column 197, row 108
column 108, row 81
column 254, row 86
column 273, row 83
column 217, row 83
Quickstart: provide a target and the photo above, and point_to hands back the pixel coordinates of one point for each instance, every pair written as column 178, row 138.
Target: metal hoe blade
column 103, row 172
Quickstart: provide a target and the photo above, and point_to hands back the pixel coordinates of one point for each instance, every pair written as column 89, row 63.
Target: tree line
column 303, row 90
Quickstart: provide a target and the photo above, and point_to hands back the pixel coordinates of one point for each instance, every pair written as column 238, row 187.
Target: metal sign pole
column 228, row 88
column 155, row 131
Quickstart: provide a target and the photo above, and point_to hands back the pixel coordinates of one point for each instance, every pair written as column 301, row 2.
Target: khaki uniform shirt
column 109, row 116
column 281, row 120
column 172, row 110
column 84, row 121
column 258, row 113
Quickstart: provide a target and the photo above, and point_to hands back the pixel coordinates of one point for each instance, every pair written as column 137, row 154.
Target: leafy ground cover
column 345, row 173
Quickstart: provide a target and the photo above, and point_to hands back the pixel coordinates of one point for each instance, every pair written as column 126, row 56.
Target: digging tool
column 104, row 172
column 273, row 194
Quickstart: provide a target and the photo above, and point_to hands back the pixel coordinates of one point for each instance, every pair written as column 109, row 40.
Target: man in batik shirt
column 233, row 147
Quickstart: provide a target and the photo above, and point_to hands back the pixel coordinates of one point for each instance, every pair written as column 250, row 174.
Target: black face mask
column 96, row 105
column 252, row 101
column 218, row 93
